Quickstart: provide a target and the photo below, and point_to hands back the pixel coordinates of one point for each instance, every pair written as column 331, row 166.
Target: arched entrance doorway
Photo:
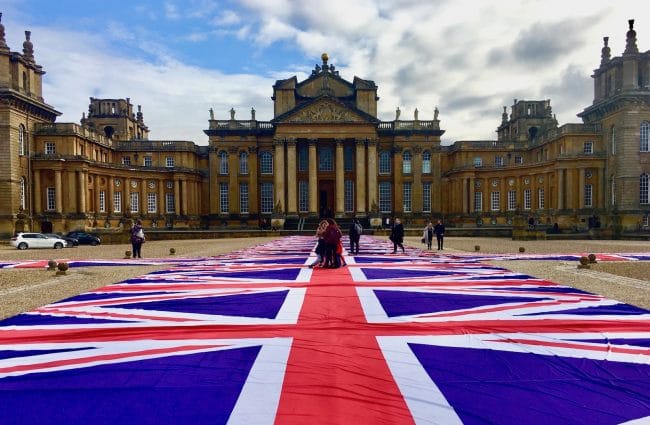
column 46, row 227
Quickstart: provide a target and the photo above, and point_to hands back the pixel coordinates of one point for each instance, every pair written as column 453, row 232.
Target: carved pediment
column 325, row 111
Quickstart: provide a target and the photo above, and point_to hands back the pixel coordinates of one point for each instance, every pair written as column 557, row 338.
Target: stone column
column 58, row 196
column 177, row 197
column 465, row 203
column 292, row 178
column 340, row 187
column 569, row 194
column 372, row 173
column 110, row 185
column 233, row 183
column 161, row 196
column 278, row 173
column 471, row 189
column 97, row 190
column 184, row 195
column 361, row 177
column 144, row 203
column 253, row 204
column 560, row 189
column 581, row 189
column 313, row 179
column 416, row 189
column 82, row 191
column 213, row 192
column 398, row 201
column 38, row 196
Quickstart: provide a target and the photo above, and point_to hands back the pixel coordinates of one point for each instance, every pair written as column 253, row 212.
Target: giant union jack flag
column 257, row 337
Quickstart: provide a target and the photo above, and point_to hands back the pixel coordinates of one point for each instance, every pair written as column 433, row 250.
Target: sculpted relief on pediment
column 325, row 112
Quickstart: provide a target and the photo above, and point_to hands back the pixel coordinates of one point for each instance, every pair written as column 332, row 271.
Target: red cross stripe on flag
column 385, row 340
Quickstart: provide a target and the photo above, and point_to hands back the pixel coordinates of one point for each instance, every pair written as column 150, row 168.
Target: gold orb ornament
column 324, row 57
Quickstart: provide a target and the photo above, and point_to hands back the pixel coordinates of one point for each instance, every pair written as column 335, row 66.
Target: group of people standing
column 430, row 230
column 329, row 249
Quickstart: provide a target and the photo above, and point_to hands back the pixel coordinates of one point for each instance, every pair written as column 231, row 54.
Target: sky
column 179, row 58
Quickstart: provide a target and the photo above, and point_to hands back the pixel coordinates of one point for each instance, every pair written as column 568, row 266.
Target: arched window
column 426, row 162
column 384, row 162
column 407, row 161
column 223, row 162
column 266, row 162
column 22, row 193
column 21, row 140
column 644, row 132
column 612, row 139
column 643, row 189
column 243, row 162
column 325, row 160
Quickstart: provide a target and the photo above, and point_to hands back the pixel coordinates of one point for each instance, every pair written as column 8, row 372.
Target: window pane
column 266, row 197
column 223, row 162
column 406, row 162
column 266, row 163
column 385, row 197
column 644, row 131
column 243, row 198
column 349, row 196
column 407, row 197
column 348, row 158
column 325, row 161
column 426, row 197
column 243, row 163
column 303, row 196
column 223, row 198
column 152, row 202
column 426, row 162
column 303, row 158
column 384, row 162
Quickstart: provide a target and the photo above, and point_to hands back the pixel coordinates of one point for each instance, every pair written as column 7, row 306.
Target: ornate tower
column 21, row 108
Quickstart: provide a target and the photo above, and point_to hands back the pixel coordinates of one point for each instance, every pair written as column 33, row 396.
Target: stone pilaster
column 372, row 173
column 292, row 178
column 340, row 187
column 233, row 183
column 177, row 196
column 161, row 197
column 38, row 196
column 361, row 177
column 184, row 196
column 313, row 179
column 253, row 206
column 58, row 189
column 416, row 189
column 581, row 189
column 278, row 174
column 110, row 185
column 144, row 202
column 560, row 189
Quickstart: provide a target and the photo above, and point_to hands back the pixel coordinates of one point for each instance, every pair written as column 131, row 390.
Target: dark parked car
column 70, row 242
column 84, row 238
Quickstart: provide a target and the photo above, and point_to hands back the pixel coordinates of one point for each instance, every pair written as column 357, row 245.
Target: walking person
column 439, row 230
column 137, row 239
column 354, row 232
column 427, row 235
column 397, row 235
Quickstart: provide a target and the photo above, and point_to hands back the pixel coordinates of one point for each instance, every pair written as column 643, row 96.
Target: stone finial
column 504, row 115
column 630, row 44
column 28, row 47
column 252, row 114
column 3, row 42
column 436, row 112
column 605, row 53
column 232, row 114
column 211, row 113
column 397, row 114
column 415, row 114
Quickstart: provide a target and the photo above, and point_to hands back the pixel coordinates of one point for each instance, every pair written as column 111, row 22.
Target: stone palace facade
column 325, row 153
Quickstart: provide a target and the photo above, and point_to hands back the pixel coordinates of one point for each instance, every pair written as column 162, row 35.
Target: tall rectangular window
column 498, row 161
column 266, row 163
column 266, row 197
column 50, row 148
column 303, row 196
column 170, row 203
column 588, row 147
column 169, row 161
column 478, row 161
column 126, row 160
column 644, row 136
column 496, row 201
column 303, row 159
column 644, row 190
column 426, row 197
column 519, row 160
column 135, row 201
column 223, row 198
column 540, row 198
column 152, row 202
column 102, row 201
column 478, row 201
column 51, row 198
column 426, row 162
column 348, row 199
column 325, row 160
column 588, row 196
column 407, row 198
column 348, row 158
column 385, row 197
column 527, row 199
column 117, row 202
column 148, row 162
column 512, row 200
column 243, row 163
column 243, row 198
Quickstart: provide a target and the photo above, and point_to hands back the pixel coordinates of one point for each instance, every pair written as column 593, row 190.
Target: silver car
column 36, row 240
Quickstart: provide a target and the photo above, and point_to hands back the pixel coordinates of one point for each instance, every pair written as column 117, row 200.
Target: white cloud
column 468, row 57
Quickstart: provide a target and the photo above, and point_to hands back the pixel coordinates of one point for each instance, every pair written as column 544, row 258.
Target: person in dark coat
column 137, row 239
column 439, row 230
column 397, row 236
column 354, row 232
column 332, row 237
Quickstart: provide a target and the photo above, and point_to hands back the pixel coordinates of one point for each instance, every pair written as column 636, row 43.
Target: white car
column 36, row 240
